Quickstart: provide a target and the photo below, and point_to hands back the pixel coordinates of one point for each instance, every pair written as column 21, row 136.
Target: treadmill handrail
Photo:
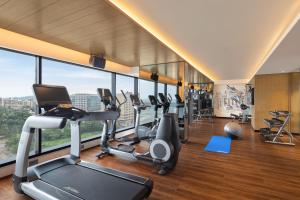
column 44, row 122
column 100, row 116
column 32, row 123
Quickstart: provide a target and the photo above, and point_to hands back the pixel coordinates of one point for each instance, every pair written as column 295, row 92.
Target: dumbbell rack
column 278, row 122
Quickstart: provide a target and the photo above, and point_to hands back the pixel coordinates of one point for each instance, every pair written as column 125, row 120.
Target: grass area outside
column 64, row 141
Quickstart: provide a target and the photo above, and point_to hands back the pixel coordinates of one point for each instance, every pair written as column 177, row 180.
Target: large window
column 172, row 90
column 17, row 74
column 126, row 119
column 145, row 89
column 82, row 84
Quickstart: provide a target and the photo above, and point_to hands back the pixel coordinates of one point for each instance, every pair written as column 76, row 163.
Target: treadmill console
column 55, row 100
column 50, row 96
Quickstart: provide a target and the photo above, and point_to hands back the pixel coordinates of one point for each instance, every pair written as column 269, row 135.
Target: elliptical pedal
column 125, row 148
column 102, row 154
column 130, row 141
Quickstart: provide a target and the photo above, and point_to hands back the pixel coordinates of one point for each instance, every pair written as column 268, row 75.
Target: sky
column 17, row 74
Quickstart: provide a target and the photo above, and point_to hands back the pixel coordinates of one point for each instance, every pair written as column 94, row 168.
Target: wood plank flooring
column 253, row 169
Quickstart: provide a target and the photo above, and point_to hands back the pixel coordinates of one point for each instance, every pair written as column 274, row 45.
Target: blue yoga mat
column 219, row 144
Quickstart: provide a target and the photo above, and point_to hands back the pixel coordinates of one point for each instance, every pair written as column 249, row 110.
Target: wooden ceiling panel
column 89, row 26
column 13, row 11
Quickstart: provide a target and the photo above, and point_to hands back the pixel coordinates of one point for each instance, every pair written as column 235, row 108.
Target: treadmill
column 67, row 177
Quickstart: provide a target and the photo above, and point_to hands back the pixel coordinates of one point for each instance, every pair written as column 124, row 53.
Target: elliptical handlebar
column 117, row 100
column 143, row 104
column 158, row 101
column 169, row 98
column 125, row 99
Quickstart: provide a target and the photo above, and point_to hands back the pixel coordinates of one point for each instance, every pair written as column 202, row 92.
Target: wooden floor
column 253, row 169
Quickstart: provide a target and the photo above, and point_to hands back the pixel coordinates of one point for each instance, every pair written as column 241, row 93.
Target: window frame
column 9, row 161
column 38, row 80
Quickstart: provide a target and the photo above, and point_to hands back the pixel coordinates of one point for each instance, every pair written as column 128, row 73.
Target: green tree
column 12, row 120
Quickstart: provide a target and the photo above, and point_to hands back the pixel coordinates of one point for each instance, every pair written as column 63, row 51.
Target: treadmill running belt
column 91, row 184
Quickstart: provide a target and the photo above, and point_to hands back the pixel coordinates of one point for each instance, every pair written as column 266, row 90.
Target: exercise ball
column 233, row 130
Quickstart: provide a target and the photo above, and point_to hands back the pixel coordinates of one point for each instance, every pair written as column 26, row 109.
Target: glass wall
column 145, row 89
column 172, row 90
column 126, row 119
column 17, row 74
column 82, row 84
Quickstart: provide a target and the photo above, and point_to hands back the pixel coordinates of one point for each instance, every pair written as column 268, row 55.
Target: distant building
column 126, row 118
column 17, row 102
column 87, row 102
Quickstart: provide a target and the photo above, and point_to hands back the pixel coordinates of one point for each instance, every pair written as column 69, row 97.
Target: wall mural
column 228, row 98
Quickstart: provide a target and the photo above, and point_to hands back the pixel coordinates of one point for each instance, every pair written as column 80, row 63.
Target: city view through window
column 82, row 84
column 126, row 118
column 17, row 75
column 172, row 90
column 146, row 88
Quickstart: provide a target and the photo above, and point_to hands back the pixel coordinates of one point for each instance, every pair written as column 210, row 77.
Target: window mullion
column 38, row 80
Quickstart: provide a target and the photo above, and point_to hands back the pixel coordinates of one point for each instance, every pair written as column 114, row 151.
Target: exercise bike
column 163, row 150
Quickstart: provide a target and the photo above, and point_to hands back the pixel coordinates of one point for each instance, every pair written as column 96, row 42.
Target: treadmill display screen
column 49, row 95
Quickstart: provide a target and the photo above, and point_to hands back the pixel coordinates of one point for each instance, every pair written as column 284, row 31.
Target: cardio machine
column 110, row 105
column 180, row 110
column 68, row 177
column 163, row 149
column 142, row 132
column 165, row 101
column 243, row 117
column 154, row 102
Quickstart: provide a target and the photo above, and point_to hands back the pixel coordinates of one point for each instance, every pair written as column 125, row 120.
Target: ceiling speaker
column 154, row 77
column 97, row 61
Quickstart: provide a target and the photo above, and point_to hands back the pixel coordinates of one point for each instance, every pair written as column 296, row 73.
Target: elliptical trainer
column 110, row 105
column 142, row 132
column 163, row 150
